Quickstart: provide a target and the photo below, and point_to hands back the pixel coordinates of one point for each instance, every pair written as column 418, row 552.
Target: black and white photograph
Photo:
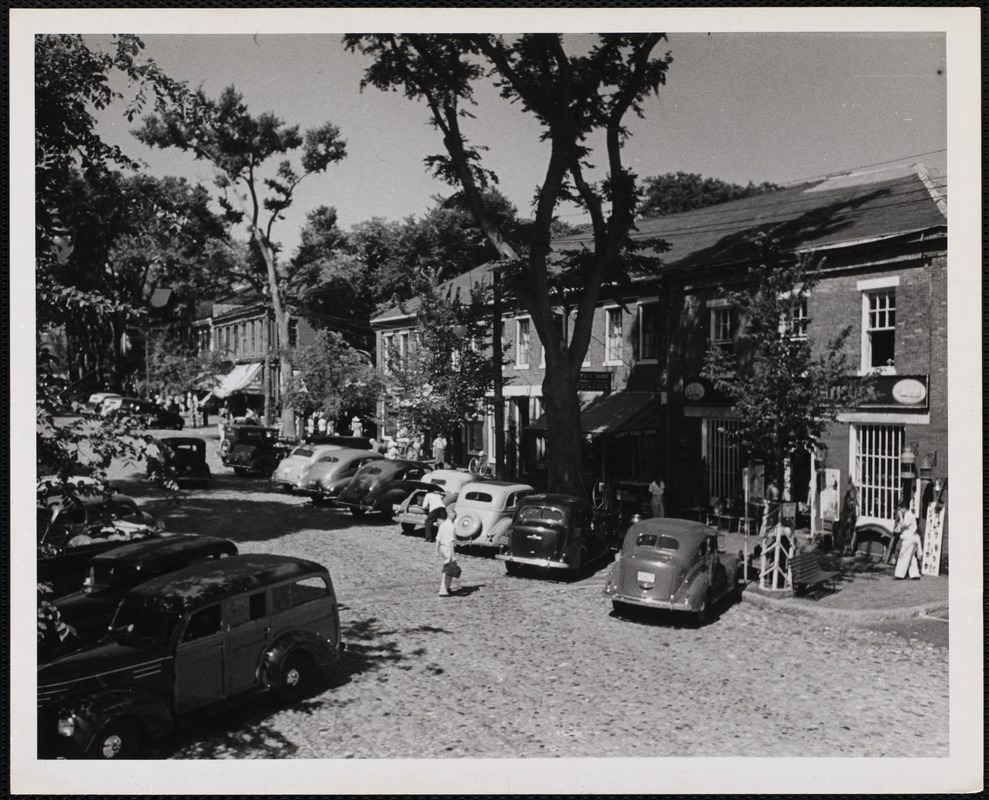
column 520, row 401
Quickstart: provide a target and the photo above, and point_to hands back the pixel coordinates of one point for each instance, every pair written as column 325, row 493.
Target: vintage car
column 333, row 471
column 485, row 511
column 185, row 641
column 417, row 512
column 181, row 459
column 673, row 564
column 89, row 610
column 381, row 485
column 292, row 472
column 73, row 530
column 558, row 532
column 153, row 415
column 95, row 402
column 250, row 449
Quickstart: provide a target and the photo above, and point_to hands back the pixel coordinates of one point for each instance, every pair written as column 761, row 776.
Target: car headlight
column 66, row 726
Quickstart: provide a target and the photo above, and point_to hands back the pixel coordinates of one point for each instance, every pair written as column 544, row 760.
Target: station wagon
column 673, row 564
column 188, row 640
column 485, row 511
column 90, row 610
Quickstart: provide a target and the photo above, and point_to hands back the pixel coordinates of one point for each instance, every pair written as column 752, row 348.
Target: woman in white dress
column 907, row 562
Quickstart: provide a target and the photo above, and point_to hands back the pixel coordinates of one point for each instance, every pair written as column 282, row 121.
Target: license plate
column 646, row 577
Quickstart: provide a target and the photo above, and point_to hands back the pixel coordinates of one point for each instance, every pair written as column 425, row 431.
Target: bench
column 806, row 572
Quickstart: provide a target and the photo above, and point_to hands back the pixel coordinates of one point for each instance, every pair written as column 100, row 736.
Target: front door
column 200, row 661
column 250, row 629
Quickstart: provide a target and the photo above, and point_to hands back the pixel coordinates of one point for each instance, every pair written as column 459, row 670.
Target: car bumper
column 648, row 602
column 419, row 520
column 545, row 563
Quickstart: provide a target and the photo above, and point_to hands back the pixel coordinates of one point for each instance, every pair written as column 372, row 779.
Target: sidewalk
column 864, row 589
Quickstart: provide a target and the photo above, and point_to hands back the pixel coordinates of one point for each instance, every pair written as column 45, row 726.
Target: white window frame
column 542, row 349
column 386, row 353
column 879, row 486
column 722, row 459
column 611, row 359
column 870, row 288
column 522, row 354
column 716, row 309
column 653, row 303
column 403, row 348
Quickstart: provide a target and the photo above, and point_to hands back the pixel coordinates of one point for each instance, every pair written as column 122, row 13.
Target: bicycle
column 479, row 465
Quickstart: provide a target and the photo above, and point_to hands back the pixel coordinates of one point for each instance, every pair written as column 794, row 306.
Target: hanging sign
column 931, row 562
column 594, row 382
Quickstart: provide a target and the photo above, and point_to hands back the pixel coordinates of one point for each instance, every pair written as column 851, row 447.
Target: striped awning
column 618, row 413
column 237, row 379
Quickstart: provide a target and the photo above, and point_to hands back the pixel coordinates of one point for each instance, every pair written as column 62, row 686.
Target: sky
column 742, row 107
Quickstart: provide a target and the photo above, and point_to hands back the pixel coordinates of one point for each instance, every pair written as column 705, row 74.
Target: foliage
column 441, row 381
column 573, row 97
column 224, row 133
column 175, row 368
column 785, row 390
column 674, row 192
column 333, row 377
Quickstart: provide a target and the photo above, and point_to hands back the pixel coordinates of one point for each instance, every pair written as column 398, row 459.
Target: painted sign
column 829, row 495
column 899, row 392
column 909, row 392
column 594, row 382
column 694, row 391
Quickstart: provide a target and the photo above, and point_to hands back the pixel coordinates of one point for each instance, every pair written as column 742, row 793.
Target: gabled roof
column 839, row 210
column 460, row 285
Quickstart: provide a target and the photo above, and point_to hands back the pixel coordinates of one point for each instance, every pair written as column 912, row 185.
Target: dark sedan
column 108, row 575
column 181, row 459
column 381, row 485
column 557, row 532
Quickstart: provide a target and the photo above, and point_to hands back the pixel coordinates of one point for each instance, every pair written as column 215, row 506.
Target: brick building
column 883, row 239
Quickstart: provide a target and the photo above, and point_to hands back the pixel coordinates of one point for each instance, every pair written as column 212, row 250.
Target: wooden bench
column 806, row 572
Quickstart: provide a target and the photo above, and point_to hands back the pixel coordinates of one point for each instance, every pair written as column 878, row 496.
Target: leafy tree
column 674, row 192
column 573, row 97
column 441, row 382
column 786, row 390
column 224, row 133
column 175, row 367
column 333, row 377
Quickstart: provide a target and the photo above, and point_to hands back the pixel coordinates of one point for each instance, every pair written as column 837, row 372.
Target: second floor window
column 722, row 332
column 880, row 330
column 613, row 335
column 649, row 332
column 522, row 342
column 293, row 333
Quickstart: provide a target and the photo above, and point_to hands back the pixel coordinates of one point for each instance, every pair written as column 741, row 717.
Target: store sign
column 594, row 382
column 694, row 391
column 909, row 392
column 899, row 392
column 635, row 434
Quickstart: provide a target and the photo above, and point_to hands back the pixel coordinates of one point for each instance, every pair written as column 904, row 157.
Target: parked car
column 333, row 470
column 181, row 459
column 352, row 442
column 558, row 532
column 188, row 640
column 90, row 609
column 71, row 531
column 673, row 564
column 153, row 415
column 250, row 449
column 95, row 402
column 292, row 472
column 485, row 511
column 381, row 485
column 413, row 513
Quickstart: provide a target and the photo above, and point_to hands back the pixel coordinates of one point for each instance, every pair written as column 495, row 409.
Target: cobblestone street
column 521, row 667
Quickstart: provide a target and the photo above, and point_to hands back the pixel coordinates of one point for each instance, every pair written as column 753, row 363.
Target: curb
column 852, row 614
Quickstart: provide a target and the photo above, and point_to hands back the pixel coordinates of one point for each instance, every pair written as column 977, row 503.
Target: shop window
column 724, row 467
column 613, row 336
column 877, row 468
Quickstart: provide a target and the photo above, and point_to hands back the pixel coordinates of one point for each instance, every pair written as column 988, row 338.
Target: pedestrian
column 656, row 491
column 392, row 452
column 250, row 417
column 321, row 423
column 435, row 510
column 414, row 452
column 310, row 424
column 439, row 450
column 445, row 539
column 848, row 519
column 356, row 427
column 908, row 561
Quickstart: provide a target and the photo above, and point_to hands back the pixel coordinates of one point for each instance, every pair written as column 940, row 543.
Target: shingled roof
column 838, row 210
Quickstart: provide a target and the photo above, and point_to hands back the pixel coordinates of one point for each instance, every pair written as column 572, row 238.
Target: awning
column 236, row 380
column 619, row 414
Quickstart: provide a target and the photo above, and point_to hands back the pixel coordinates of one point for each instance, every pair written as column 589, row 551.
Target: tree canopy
column 674, row 192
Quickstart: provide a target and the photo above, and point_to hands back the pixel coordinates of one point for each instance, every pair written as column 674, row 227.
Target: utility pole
column 498, row 389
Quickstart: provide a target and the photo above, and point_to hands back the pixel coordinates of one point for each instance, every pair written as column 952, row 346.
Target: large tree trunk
column 284, row 374
column 564, row 442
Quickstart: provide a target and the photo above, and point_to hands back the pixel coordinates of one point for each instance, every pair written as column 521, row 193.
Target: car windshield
column 139, row 623
column 541, row 514
column 105, row 576
column 329, row 460
column 438, row 481
column 657, row 541
column 254, row 437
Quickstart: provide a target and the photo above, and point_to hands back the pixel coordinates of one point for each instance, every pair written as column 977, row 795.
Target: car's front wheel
column 118, row 739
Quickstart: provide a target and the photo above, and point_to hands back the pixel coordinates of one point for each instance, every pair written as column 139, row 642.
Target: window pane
column 205, row 622
column 648, row 323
